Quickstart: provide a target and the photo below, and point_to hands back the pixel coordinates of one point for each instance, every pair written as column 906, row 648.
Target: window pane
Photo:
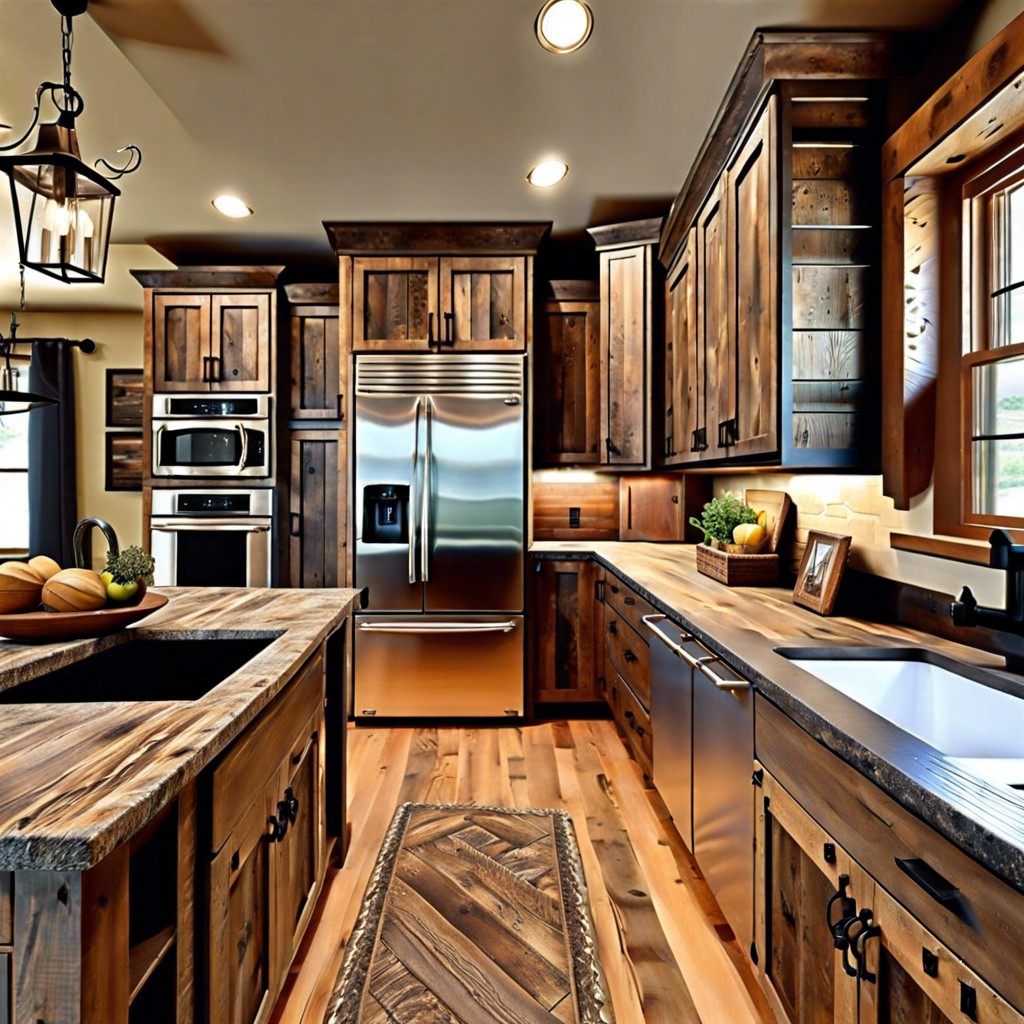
column 14, row 511
column 999, row 478
column 1015, row 232
column 14, row 442
column 998, row 455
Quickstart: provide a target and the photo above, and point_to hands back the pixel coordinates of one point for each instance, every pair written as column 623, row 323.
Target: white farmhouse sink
column 977, row 726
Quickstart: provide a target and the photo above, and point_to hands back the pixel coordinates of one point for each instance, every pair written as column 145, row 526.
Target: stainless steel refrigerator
column 439, row 496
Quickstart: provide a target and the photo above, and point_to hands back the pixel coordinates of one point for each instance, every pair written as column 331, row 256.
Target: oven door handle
column 244, row 434
column 437, row 628
column 206, row 528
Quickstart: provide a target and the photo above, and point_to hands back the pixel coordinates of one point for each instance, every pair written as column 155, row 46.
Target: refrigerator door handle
column 412, row 477
column 436, row 628
column 425, row 508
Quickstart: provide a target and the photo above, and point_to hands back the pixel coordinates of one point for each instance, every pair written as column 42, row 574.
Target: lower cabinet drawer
column 633, row 720
column 626, row 602
column 629, row 655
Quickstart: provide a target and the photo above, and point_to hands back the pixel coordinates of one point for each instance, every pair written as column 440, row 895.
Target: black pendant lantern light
column 63, row 208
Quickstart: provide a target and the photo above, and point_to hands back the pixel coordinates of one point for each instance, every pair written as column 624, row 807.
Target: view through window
column 14, row 480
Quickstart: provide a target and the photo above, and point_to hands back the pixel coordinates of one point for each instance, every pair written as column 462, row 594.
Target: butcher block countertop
column 745, row 624
column 78, row 779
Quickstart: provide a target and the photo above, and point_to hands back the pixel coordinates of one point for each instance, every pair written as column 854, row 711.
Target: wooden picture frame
column 821, row 569
column 123, row 461
column 124, row 398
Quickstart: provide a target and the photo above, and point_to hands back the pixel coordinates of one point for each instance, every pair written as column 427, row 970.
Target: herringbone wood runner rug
column 473, row 915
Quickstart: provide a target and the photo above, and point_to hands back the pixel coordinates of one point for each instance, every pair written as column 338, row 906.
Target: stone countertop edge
column 45, row 826
column 981, row 819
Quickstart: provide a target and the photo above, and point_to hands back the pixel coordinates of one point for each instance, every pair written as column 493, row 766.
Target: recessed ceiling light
column 231, row 206
column 547, row 173
column 564, row 25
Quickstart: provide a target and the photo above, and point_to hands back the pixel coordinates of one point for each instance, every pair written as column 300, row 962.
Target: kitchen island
column 113, row 814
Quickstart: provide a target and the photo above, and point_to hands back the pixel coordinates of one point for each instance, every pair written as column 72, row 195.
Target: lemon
column 750, row 534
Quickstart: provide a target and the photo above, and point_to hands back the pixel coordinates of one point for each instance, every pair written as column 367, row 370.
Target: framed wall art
column 123, row 461
column 821, row 569
column 124, row 398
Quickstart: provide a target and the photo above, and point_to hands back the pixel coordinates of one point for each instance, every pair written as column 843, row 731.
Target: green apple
column 119, row 592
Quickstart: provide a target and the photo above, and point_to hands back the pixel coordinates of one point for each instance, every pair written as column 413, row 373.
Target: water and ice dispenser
column 386, row 514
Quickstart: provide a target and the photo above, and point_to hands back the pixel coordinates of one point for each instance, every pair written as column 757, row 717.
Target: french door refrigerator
column 439, row 496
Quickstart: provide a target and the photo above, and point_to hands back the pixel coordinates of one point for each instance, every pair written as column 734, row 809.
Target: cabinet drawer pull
column 206, row 370
column 640, row 730
column 629, row 600
column 278, row 827
column 629, row 655
column 294, row 524
column 612, row 627
column 290, row 804
column 929, row 879
column 628, row 713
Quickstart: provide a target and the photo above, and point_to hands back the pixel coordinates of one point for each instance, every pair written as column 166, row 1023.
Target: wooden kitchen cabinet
column 268, row 851
column 110, row 945
column 929, row 935
column 210, row 328
column 436, row 287
column 567, row 376
column 627, row 668
column 631, row 291
column 317, row 519
column 773, row 256
column 317, row 369
column 565, row 620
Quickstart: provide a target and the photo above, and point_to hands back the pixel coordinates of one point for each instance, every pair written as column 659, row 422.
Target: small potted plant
column 735, row 534
column 721, row 517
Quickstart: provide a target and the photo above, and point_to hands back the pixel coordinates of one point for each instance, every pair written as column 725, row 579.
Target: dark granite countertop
column 78, row 779
column 745, row 624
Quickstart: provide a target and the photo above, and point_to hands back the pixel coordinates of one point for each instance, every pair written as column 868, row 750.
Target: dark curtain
column 51, row 453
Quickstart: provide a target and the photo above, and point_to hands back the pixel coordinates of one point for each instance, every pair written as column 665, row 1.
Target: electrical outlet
column 574, row 518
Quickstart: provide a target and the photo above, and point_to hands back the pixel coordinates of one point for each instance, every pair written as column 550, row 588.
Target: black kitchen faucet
column 1004, row 554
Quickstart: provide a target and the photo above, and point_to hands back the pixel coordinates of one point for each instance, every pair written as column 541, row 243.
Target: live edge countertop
column 77, row 780
column 745, row 624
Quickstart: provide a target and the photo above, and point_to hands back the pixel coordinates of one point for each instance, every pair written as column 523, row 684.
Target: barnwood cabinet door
column 625, row 324
column 750, row 416
column 395, row 303
column 563, row 620
column 714, row 326
column 300, row 853
column 566, row 382
column 909, row 975
column 798, row 871
column 317, row 387
column 181, row 342
column 483, row 303
column 242, row 890
column 317, row 522
column 240, row 342
column 684, row 430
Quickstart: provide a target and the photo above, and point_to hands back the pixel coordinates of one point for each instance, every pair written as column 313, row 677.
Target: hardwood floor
column 667, row 954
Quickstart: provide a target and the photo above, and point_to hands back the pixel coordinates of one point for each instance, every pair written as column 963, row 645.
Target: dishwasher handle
column 703, row 665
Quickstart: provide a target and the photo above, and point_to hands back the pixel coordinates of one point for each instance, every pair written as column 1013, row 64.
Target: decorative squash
column 44, row 565
column 20, row 587
column 74, row 590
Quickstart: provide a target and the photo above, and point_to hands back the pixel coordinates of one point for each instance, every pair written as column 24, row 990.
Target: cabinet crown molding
column 210, row 277
column 377, row 238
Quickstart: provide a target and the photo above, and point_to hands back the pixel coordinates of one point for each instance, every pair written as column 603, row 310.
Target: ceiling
column 316, row 110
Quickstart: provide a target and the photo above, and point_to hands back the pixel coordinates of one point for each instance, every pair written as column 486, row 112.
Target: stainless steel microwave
column 208, row 436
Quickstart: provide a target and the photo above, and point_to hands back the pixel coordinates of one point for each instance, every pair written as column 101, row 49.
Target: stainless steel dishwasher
column 702, row 718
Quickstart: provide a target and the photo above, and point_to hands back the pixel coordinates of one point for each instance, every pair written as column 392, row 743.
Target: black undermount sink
column 142, row 669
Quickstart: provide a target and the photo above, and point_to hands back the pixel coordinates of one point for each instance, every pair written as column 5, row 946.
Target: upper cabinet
column 317, row 382
column 436, row 287
column 771, row 353
column 567, row 376
column 631, row 284
column 211, row 329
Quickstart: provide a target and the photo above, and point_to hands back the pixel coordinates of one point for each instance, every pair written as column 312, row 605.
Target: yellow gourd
column 74, row 590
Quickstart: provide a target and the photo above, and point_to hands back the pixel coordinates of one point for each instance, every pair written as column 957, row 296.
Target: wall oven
column 210, row 435
column 212, row 538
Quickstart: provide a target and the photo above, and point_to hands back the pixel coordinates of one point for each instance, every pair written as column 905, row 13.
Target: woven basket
column 737, row 570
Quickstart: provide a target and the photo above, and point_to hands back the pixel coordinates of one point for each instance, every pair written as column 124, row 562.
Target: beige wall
column 118, row 338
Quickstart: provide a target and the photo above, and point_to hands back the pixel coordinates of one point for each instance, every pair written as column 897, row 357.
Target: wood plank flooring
column 667, row 954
